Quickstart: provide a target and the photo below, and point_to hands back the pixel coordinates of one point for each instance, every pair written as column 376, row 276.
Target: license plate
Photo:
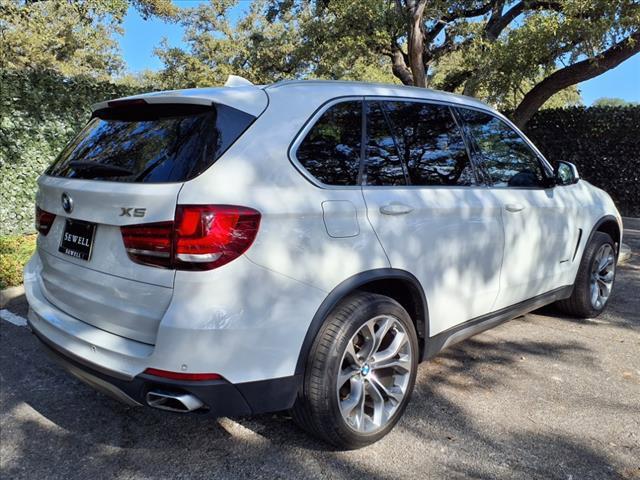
column 77, row 239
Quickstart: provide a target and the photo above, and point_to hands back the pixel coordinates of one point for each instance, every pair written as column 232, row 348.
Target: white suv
column 303, row 246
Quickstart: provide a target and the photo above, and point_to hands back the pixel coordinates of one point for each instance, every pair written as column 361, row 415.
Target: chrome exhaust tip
column 173, row 402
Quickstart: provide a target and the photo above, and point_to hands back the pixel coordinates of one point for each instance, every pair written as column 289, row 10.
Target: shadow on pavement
column 536, row 398
column 62, row 428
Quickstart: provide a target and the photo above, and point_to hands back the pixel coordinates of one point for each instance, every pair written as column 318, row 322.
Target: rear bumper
column 219, row 397
column 259, row 372
column 241, row 321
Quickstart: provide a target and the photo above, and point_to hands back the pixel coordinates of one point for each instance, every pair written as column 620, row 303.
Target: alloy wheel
column 374, row 374
column 602, row 274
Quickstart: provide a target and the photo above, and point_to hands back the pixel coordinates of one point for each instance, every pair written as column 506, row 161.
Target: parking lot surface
column 539, row 397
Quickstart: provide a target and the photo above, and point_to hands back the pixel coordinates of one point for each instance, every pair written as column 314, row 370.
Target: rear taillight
column 202, row 237
column 44, row 220
column 208, row 236
column 150, row 243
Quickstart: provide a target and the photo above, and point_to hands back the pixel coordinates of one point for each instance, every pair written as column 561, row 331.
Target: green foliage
column 69, row 37
column 556, row 33
column 602, row 141
column 40, row 114
column 255, row 47
column 15, row 251
column 495, row 50
column 613, row 102
column 505, row 100
column 278, row 40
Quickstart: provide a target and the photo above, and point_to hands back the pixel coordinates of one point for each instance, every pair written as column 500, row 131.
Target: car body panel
column 452, row 241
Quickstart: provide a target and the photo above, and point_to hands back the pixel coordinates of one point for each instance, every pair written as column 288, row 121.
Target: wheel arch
column 609, row 225
column 398, row 284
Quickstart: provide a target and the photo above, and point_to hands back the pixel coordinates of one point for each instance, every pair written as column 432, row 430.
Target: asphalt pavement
column 539, row 397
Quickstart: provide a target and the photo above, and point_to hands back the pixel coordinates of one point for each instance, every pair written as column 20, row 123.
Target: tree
column 613, row 102
column 501, row 46
column 68, row 37
column 272, row 41
column 549, row 45
column 255, row 47
column 519, row 55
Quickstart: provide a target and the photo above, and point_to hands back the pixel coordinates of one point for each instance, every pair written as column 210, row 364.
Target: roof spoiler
column 238, row 93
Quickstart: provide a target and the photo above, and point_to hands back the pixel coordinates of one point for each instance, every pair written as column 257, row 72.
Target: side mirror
column 566, row 173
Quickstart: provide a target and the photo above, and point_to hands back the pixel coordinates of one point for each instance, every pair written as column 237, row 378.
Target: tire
column 379, row 394
column 583, row 301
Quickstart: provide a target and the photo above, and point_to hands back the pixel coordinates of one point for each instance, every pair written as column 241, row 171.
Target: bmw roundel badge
column 67, row 203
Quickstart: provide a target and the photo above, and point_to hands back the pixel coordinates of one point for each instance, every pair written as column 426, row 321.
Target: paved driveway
column 538, row 397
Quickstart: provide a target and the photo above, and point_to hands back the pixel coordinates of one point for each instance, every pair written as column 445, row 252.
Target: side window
column 383, row 166
column 331, row 149
column 503, row 154
column 430, row 144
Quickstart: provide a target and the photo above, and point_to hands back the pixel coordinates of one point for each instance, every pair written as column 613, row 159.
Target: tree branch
column 399, row 65
column 573, row 74
column 472, row 12
column 431, row 34
column 494, row 28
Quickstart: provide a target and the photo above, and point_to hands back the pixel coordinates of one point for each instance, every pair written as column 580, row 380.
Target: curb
column 8, row 294
column 625, row 254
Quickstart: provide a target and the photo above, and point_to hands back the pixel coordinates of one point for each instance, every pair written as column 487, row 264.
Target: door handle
column 396, row 209
column 514, row 207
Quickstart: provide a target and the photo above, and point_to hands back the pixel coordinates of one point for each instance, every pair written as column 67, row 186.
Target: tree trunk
column 399, row 67
column 573, row 74
column 416, row 42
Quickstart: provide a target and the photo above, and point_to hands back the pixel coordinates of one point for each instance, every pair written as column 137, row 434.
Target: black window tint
column 153, row 143
column 504, row 155
column 430, row 143
column 383, row 166
column 331, row 149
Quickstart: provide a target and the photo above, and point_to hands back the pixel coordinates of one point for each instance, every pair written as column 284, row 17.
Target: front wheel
column 594, row 281
column 360, row 372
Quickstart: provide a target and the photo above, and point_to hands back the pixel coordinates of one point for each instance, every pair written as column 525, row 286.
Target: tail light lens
column 202, row 237
column 150, row 244
column 44, row 220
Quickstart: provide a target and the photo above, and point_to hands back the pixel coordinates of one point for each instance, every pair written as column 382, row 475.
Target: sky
column 141, row 37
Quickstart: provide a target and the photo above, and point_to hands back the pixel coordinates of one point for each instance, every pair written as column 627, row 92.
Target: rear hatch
column 126, row 167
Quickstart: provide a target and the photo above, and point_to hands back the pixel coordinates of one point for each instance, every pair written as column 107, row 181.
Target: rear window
column 151, row 143
column 331, row 150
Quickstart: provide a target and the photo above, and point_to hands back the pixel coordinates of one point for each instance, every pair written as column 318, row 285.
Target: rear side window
column 502, row 152
column 331, row 149
column 151, row 143
column 383, row 166
column 430, row 143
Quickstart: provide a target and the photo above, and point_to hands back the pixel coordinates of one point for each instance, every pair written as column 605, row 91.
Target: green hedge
column 604, row 143
column 42, row 111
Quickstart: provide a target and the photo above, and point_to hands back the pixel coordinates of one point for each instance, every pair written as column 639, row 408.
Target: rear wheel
column 360, row 372
column 594, row 282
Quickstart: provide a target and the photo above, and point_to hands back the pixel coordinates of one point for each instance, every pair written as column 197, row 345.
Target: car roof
column 253, row 99
column 345, row 88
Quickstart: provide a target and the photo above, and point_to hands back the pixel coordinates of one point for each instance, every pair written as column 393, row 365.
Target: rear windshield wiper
column 95, row 169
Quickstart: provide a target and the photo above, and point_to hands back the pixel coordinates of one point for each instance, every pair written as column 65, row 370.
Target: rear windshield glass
column 151, row 143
